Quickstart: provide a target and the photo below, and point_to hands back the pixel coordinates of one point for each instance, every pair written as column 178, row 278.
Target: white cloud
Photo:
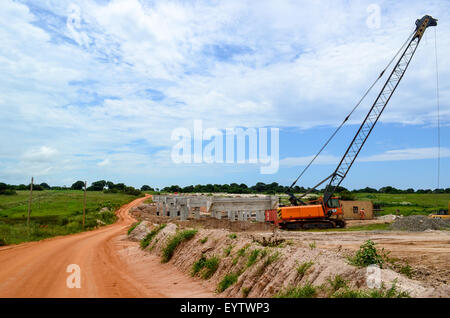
column 390, row 155
column 231, row 63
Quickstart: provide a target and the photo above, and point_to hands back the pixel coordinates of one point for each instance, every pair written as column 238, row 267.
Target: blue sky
column 92, row 90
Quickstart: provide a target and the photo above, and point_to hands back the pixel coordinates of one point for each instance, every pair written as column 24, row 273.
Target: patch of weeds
column 246, row 291
column 2, row 241
column 337, row 283
column 367, row 255
column 406, row 270
column 382, row 292
column 133, row 226
column 253, row 257
column 232, row 236
column 208, row 266
column 227, row 250
column 269, row 260
column 153, row 245
column 227, row 281
column 312, row 245
column 240, row 253
column 211, row 265
column 149, row 237
column 305, row 291
column 198, row 265
column 271, row 241
column 203, row 240
column 176, row 240
column 303, row 267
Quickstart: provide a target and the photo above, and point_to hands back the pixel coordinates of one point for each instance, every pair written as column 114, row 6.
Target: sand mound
column 263, row 271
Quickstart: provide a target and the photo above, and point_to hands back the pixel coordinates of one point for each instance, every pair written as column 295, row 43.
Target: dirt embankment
column 237, row 264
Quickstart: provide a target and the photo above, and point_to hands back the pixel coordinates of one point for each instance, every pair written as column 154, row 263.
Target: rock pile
column 419, row 223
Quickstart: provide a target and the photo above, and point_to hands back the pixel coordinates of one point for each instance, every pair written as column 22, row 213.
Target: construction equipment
column 326, row 212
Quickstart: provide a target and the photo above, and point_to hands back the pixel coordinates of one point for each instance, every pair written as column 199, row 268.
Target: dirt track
column 110, row 266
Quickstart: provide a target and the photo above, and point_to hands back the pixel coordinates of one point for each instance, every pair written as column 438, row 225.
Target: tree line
column 274, row 187
column 258, row 188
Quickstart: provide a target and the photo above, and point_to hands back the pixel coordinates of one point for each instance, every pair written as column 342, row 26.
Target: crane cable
column 438, row 113
column 353, row 110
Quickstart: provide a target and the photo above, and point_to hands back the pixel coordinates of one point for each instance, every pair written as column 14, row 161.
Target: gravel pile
column 419, row 223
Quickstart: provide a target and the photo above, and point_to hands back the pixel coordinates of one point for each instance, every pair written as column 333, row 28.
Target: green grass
column 227, row 250
column 149, row 237
column 305, row 291
column 302, row 268
column 253, row 257
column 203, row 240
column 407, row 204
column 207, row 266
column 176, row 240
column 132, row 227
column 55, row 212
column 227, row 281
column 382, row 292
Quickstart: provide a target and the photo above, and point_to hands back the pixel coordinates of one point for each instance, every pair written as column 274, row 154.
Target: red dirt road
column 110, row 266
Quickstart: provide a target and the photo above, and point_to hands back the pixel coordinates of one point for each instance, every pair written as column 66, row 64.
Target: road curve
column 110, row 266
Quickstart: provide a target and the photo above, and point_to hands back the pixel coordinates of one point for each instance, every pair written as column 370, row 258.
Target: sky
column 93, row 90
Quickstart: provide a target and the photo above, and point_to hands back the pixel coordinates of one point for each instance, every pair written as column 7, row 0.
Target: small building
column 352, row 209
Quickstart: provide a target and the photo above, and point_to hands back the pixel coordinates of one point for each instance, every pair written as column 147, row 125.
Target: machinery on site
column 326, row 212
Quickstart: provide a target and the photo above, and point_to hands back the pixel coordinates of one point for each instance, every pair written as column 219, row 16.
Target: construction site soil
column 426, row 254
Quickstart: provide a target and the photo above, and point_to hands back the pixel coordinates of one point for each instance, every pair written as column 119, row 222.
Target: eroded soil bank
column 255, row 264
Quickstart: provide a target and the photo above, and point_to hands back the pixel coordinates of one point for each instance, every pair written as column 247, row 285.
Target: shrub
column 203, row 240
column 305, row 291
column 2, row 241
column 302, row 268
column 312, row 245
column 149, row 237
column 367, row 255
column 232, row 236
column 176, row 240
column 227, row 281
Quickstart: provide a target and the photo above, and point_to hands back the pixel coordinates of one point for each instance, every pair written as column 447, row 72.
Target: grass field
column 55, row 212
column 408, row 203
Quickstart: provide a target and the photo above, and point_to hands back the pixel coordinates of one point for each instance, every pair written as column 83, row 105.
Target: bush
column 227, row 281
column 149, row 237
column 367, row 255
column 176, row 240
column 209, row 266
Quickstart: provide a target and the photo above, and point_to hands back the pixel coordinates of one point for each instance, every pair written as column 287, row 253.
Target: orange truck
column 326, row 212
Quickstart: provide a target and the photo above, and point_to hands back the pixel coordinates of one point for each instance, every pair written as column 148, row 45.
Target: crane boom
column 377, row 108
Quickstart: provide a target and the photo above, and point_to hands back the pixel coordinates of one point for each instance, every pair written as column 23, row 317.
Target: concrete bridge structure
column 242, row 208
